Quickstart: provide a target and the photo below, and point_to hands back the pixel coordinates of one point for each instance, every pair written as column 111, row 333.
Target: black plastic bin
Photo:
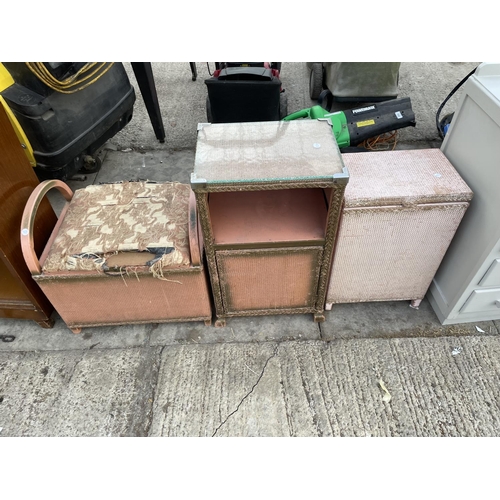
column 64, row 128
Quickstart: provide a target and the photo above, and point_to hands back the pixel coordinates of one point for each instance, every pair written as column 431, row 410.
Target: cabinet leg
column 414, row 304
column 76, row 331
column 208, row 322
column 220, row 323
column 328, row 306
column 319, row 317
column 48, row 323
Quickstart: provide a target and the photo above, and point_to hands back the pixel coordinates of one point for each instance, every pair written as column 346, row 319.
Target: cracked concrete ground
column 441, row 386
column 261, row 376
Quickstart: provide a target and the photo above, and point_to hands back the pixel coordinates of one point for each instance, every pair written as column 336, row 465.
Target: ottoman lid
column 124, row 224
column 403, row 177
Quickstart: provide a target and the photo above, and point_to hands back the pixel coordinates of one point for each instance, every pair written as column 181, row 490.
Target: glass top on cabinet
column 294, row 151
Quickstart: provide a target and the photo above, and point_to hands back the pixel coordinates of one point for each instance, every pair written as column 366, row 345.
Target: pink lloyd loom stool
column 125, row 253
column 401, row 211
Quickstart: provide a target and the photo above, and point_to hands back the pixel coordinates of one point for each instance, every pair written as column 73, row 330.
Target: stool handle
column 28, row 220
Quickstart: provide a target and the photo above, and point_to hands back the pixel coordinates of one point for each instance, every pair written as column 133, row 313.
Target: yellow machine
column 6, row 81
column 64, row 112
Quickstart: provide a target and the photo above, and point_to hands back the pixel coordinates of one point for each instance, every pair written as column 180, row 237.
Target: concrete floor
column 261, row 376
column 182, row 101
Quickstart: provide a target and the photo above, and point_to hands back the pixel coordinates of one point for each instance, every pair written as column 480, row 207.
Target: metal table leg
column 144, row 74
column 194, row 71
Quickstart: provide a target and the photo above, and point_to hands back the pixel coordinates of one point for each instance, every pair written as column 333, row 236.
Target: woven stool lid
column 402, row 177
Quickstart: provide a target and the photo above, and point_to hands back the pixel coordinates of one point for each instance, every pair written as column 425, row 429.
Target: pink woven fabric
column 402, row 209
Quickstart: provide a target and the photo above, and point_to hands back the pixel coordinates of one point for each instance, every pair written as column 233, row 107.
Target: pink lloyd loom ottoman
column 401, row 211
column 121, row 254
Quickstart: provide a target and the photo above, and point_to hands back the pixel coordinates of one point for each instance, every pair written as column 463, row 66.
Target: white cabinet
column 481, row 301
column 492, row 276
column 466, row 287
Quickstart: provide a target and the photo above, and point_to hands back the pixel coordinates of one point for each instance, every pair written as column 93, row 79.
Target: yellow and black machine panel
column 64, row 112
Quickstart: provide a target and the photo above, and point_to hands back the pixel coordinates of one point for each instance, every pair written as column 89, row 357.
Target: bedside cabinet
column 466, row 287
column 269, row 197
column 20, row 296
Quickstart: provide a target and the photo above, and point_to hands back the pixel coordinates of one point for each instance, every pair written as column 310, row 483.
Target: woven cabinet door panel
column 391, row 253
column 267, row 280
